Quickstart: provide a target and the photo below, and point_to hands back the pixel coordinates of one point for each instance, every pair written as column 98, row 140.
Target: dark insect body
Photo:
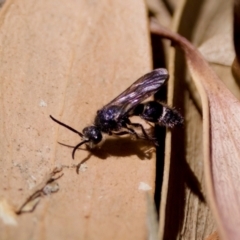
column 113, row 118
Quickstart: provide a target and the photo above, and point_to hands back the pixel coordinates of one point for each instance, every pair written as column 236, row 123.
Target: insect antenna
column 77, row 146
column 73, row 130
column 66, row 126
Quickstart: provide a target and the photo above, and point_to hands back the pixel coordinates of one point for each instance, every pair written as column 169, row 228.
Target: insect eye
column 97, row 137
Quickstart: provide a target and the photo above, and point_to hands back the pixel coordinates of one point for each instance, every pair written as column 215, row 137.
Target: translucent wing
column 140, row 90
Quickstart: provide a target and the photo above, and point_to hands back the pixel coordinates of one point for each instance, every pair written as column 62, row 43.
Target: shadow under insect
column 122, row 147
column 118, row 147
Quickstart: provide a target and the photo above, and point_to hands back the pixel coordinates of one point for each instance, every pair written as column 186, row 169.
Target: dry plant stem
column 188, row 49
column 152, row 221
column 38, row 191
column 236, row 38
column 209, row 87
column 236, row 28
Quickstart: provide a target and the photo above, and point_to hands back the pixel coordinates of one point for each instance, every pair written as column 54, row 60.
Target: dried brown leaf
column 160, row 11
column 213, row 36
column 184, row 213
column 221, row 111
column 213, row 236
column 68, row 59
column 215, row 50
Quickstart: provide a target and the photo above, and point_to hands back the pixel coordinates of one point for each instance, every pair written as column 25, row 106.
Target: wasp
column 114, row 118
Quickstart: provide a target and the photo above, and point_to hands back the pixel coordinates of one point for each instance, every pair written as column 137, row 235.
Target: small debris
column 47, row 187
column 83, row 167
column 51, row 188
column 42, row 103
column 144, row 186
column 7, row 213
column 30, row 205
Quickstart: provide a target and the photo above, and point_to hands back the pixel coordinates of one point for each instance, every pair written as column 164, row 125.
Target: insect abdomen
column 155, row 112
column 150, row 111
column 170, row 118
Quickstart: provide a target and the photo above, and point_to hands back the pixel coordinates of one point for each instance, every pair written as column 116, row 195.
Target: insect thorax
column 107, row 119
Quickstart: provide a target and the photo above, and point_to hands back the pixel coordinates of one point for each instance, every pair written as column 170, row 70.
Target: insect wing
column 140, row 90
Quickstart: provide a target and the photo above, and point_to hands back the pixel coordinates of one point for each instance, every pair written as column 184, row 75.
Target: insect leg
column 126, row 123
column 142, row 129
column 121, row 133
column 130, row 132
column 133, row 132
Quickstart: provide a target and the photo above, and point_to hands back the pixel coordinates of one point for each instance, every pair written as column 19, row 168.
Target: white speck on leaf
column 144, row 186
column 83, row 167
column 42, row 103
